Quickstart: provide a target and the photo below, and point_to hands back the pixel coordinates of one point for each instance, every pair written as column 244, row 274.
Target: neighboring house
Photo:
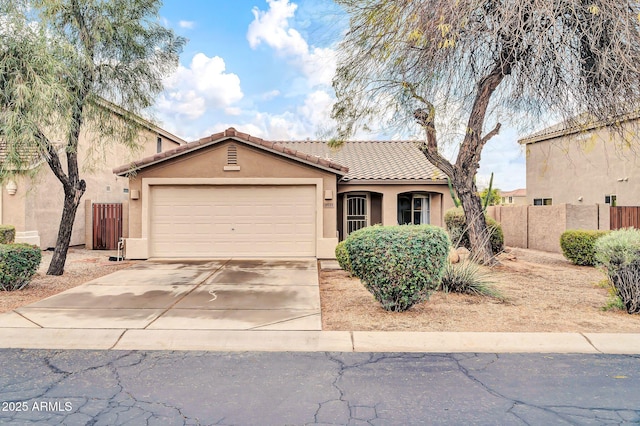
column 232, row 194
column 34, row 206
column 517, row 197
column 584, row 164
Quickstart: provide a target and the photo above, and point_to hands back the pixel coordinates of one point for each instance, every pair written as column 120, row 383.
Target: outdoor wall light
column 12, row 188
column 580, row 198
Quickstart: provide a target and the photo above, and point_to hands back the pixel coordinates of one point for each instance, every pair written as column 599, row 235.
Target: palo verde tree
column 61, row 62
column 469, row 62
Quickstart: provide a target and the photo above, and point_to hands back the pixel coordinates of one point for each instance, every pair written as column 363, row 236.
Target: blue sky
column 265, row 68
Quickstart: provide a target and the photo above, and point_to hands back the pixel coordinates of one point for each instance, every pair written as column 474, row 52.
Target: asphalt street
column 280, row 388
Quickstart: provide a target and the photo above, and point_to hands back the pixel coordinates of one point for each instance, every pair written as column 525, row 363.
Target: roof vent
column 232, row 159
column 232, row 155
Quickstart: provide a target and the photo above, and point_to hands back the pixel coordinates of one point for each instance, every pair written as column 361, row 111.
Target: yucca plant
column 466, row 277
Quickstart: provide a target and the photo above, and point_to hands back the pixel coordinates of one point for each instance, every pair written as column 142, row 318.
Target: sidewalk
column 318, row 341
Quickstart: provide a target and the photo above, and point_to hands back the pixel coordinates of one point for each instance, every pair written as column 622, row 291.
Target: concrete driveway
column 224, row 294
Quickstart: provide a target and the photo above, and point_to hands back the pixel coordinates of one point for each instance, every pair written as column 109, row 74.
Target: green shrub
column 7, row 234
column 399, row 265
column 578, row 246
column 618, row 248
column 456, row 226
column 619, row 253
column 18, row 264
column 342, row 256
column 467, row 277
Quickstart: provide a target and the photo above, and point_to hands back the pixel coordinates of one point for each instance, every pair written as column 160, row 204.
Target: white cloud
column 187, row 24
column 304, row 122
column 505, row 158
column 204, row 85
column 272, row 27
column 233, row 111
column 270, row 95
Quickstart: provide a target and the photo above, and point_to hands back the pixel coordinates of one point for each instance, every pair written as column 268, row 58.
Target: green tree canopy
column 469, row 62
column 61, row 64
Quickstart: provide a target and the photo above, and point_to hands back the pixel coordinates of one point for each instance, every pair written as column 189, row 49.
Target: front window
column 542, row 201
column 357, row 212
column 413, row 209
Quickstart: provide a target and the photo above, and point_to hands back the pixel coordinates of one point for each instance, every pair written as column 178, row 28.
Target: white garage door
column 226, row 221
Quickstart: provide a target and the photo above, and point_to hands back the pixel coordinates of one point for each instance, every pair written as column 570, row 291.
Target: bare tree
column 59, row 60
column 475, row 60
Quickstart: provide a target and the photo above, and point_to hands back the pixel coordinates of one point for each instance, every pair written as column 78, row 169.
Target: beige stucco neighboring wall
column 540, row 227
column 582, row 168
column 440, row 199
column 256, row 166
column 514, row 222
column 36, row 208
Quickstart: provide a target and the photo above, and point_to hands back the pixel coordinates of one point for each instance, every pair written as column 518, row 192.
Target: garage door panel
column 224, row 221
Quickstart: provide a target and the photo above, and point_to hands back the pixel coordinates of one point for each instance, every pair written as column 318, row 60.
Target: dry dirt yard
column 542, row 292
column 81, row 266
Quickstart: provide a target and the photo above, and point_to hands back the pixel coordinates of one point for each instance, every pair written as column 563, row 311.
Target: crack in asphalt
column 554, row 410
column 103, row 387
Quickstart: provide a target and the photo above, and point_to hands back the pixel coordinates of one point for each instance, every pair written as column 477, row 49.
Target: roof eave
column 214, row 139
column 567, row 132
column 408, row 181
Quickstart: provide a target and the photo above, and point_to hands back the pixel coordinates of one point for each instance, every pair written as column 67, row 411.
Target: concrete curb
column 319, row 341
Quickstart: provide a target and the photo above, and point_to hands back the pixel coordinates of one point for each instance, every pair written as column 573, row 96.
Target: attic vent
column 232, row 155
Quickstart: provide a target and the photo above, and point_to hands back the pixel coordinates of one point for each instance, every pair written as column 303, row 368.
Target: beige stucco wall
column 37, row 205
column 209, row 163
column 586, row 167
column 540, row 227
column 440, row 199
column 514, row 223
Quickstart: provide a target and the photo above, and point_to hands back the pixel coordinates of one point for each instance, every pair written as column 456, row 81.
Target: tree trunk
column 72, row 199
column 479, row 236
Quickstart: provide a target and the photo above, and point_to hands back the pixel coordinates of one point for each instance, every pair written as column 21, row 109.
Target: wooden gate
column 107, row 226
column 624, row 217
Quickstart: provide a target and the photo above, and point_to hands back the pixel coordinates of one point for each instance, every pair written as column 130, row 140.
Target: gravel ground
column 542, row 292
column 81, row 266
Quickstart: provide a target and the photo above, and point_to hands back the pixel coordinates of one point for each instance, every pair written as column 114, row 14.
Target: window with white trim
column 413, row 209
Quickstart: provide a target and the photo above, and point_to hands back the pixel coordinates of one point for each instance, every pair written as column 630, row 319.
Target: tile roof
column 522, row 192
column 274, row 147
column 375, row 160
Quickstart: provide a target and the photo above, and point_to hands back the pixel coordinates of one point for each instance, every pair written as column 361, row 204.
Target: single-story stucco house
column 235, row 195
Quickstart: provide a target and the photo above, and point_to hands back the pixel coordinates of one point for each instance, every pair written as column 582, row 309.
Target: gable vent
column 232, row 155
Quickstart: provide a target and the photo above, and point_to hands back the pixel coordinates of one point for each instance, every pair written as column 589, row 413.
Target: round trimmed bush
column 399, row 265
column 18, row 264
column 578, row 246
column 342, row 256
column 456, row 224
